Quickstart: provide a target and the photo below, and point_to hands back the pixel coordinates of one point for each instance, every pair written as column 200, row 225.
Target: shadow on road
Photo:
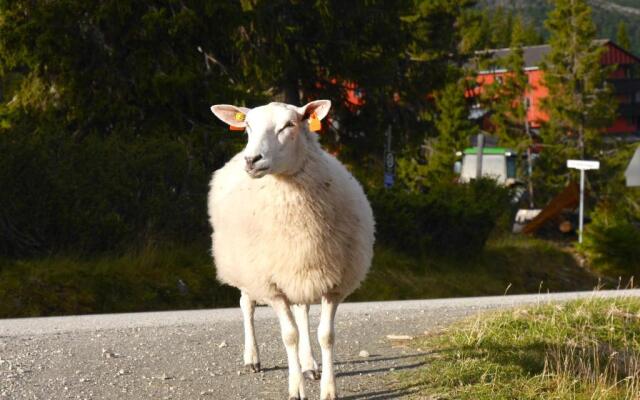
column 382, row 394
column 376, row 358
column 371, row 366
column 380, row 370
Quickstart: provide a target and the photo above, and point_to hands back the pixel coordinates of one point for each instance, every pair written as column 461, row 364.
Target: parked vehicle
column 498, row 163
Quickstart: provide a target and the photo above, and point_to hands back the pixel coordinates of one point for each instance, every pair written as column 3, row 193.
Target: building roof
column 533, row 55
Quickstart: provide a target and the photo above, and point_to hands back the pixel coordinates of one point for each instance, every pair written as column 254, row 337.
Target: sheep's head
column 277, row 134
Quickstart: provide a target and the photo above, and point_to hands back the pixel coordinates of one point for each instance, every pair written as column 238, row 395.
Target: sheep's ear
column 231, row 115
column 318, row 107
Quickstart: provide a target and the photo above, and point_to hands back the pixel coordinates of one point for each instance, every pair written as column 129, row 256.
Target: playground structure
column 567, row 200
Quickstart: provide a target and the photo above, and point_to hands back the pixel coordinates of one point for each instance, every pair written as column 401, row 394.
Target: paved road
column 198, row 354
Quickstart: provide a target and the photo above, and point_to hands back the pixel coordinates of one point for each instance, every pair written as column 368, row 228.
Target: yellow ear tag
column 314, row 123
column 239, row 117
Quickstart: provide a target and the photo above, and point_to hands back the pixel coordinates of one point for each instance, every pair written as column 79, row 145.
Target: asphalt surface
column 198, row 354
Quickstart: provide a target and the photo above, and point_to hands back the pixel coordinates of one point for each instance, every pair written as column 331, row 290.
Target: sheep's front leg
column 251, row 356
column 289, row 332
column 326, row 339
column 307, row 362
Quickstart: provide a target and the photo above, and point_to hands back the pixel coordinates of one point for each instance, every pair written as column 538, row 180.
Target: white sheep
column 301, row 234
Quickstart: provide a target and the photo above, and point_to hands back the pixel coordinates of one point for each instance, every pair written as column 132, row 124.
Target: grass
column 586, row 349
column 150, row 279
column 183, row 277
column 512, row 264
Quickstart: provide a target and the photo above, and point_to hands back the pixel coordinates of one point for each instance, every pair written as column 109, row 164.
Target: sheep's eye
column 289, row 124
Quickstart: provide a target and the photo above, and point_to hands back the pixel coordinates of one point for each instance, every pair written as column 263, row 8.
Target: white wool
column 303, row 235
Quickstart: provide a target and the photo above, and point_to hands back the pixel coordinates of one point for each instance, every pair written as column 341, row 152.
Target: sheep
column 291, row 227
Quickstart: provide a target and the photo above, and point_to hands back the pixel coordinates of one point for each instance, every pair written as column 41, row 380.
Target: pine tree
column 622, row 37
column 506, row 96
column 454, row 130
column 482, row 29
column 506, row 99
column 580, row 104
column 501, row 26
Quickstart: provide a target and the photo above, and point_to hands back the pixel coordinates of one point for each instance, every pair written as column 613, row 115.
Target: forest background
column 107, row 143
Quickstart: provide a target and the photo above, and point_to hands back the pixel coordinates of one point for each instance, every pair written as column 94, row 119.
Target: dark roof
column 533, row 55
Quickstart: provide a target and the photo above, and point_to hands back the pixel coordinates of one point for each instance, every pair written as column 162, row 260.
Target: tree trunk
column 291, row 91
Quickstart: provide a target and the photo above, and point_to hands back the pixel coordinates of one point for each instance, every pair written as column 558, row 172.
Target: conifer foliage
column 622, row 36
column 580, row 104
column 505, row 97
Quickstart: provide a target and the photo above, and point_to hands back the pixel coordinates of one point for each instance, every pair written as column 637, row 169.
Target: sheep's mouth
column 257, row 172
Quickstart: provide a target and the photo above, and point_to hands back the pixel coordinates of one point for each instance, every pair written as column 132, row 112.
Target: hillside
column 607, row 14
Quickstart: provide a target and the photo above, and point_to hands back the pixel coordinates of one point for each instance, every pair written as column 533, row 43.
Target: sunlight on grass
column 587, row 349
column 171, row 277
column 509, row 263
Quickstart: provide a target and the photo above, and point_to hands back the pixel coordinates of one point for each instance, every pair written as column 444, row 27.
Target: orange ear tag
column 238, row 117
column 314, row 123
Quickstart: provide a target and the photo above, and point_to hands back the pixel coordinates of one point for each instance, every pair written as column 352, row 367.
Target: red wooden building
column 625, row 81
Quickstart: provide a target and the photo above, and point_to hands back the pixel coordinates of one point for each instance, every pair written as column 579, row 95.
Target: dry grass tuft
column 587, row 349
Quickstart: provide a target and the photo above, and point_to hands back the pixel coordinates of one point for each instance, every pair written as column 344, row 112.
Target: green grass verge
column 183, row 277
column 587, row 349
column 151, row 279
column 513, row 264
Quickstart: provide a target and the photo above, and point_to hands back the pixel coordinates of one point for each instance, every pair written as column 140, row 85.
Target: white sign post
column 582, row 165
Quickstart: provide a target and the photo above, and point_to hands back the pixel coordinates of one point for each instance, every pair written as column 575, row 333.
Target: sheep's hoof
column 252, row 367
column 311, row 375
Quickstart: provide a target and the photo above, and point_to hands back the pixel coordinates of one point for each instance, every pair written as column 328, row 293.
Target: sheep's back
column 302, row 237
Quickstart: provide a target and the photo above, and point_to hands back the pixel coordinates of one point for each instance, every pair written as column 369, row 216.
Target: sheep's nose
column 252, row 160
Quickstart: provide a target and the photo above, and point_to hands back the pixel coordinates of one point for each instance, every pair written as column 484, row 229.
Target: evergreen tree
column 580, row 104
column 486, row 29
column 622, row 36
column 507, row 102
column 505, row 97
column 531, row 36
column 392, row 52
column 501, row 26
column 475, row 31
column 454, row 131
column 110, row 115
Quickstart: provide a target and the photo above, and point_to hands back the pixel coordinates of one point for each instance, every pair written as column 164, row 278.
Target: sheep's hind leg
column 251, row 355
column 307, row 362
column 290, row 339
column 326, row 338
